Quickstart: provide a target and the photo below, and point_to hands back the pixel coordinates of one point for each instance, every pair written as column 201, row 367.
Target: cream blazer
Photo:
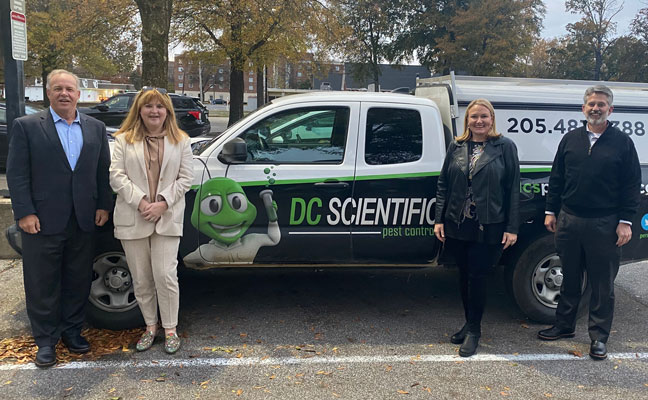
column 129, row 180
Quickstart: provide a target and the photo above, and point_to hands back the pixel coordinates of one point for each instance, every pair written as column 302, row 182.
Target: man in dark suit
column 57, row 172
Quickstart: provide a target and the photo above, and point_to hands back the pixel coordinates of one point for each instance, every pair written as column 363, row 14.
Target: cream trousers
column 153, row 263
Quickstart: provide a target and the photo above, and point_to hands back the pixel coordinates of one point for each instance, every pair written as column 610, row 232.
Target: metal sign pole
column 14, row 73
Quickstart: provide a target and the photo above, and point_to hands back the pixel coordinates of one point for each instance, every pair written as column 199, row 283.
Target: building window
column 251, row 80
column 250, row 64
column 299, row 74
column 191, row 85
column 220, row 85
column 220, row 70
column 251, row 73
column 180, row 76
column 250, row 87
column 337, row 67
column 180, row 84
column 220, row 79
column 180, row 69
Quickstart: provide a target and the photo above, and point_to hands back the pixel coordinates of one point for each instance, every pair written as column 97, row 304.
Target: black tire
column 535, row 278
column 112, row 303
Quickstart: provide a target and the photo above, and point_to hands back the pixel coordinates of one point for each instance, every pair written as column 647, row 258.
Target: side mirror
column 102, row 107
column 234, row 152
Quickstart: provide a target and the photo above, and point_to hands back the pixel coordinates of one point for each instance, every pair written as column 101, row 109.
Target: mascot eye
column 211, row 205
column 238, row 202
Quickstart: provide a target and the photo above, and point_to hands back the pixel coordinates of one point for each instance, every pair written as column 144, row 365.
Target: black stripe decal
column 557, row 107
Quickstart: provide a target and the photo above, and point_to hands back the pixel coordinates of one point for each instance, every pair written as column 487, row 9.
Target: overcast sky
column 557, row 18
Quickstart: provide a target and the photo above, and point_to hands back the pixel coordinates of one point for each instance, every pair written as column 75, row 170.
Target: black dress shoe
column 76, row 344
column 469, row 345
column 459, row 337
column 45, row 357
column 554, row 333
column 598, row 350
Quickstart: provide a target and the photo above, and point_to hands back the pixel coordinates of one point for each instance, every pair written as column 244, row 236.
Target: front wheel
column 112, row 303
column 536, row 277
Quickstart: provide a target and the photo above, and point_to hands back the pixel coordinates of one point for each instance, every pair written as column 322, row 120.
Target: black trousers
column 587, row 244
column 475, row 261
column 57, row 270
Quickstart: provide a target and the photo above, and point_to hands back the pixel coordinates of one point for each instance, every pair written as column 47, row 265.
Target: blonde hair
column 492, row 133
column 133, row 126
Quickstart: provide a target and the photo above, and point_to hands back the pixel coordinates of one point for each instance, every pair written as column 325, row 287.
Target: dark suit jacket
column 41, row 181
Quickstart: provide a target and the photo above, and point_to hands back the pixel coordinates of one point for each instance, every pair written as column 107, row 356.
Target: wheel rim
column 547, row 280
column 112, row 283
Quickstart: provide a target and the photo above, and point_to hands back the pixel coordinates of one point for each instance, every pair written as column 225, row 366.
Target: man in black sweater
column 594, row 190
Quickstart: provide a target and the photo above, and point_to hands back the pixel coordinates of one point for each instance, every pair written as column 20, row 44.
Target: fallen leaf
column 504, row 393
column 243, row 334
column 335, row 394
column 525, row 326
column 160, row 379
column 575, row 353
column 239, row 392
column 205, row 382
column 273, row 376
column 323, row 373
column 9, row 383
column 299, row 375
column 403, row 392
column 239, row 355
column 548, row 395
column 112, row 390
column 616, row 367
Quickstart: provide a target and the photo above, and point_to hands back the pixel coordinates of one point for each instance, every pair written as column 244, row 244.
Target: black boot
column 459, row 337
column 469, row 345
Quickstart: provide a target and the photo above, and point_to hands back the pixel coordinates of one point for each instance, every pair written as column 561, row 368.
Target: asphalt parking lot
column 349, row 334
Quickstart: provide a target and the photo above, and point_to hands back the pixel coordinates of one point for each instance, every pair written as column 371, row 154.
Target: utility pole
column 14, row 44
column 202, row 95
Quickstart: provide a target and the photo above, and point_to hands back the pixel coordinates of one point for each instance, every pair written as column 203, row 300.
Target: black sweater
column 596, row 183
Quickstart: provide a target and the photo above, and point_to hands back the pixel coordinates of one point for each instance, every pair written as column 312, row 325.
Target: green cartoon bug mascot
column 222, row 212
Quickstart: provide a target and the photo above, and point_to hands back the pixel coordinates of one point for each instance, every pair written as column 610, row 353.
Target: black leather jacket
column 495, row 184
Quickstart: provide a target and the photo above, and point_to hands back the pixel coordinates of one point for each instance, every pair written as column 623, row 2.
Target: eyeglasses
column 157, row 89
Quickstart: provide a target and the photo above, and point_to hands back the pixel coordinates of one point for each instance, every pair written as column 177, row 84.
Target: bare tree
column 596, row 27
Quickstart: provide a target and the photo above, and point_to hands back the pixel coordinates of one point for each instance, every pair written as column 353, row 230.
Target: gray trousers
column 587, row 244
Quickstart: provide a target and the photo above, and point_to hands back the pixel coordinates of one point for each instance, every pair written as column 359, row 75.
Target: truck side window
column 304, row 135
column 393, row 136
column 118, row 102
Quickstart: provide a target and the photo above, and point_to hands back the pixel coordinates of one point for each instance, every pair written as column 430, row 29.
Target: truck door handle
column 332, row 185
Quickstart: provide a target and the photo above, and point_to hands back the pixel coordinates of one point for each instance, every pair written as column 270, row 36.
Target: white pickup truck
column 348, row 179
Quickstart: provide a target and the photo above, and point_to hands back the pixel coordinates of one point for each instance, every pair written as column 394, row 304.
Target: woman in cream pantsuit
column 151, row 170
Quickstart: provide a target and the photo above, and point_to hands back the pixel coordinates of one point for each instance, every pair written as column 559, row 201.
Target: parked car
column 325, row 86
column 219, row 101
column 192, row 115
column 4, row 136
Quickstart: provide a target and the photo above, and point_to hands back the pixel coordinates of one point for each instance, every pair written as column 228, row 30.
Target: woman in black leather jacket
column 477, row 210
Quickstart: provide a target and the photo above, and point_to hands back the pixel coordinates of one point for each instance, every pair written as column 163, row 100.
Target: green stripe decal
column 397, row 176
column 339, row 179
column 541, row 169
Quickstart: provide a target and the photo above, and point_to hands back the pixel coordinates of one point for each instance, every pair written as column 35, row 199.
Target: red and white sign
column 18, row 36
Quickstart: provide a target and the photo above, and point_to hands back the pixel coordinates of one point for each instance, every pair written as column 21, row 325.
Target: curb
column 6, row 220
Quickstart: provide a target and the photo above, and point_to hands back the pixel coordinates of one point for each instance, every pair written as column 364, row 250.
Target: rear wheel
column 536, row 277
column 112, row 303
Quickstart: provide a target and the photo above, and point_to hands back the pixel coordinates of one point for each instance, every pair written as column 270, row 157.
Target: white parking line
column 257, row 361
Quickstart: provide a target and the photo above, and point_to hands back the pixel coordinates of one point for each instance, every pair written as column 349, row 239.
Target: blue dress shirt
column 70, row 136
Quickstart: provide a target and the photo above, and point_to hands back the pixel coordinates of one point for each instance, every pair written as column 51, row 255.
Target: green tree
column 488, row 36
column 373, row 25
column 596, row 28
column 156, row 23
column 479, row 37
column 245, row 29
column 66, row 34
